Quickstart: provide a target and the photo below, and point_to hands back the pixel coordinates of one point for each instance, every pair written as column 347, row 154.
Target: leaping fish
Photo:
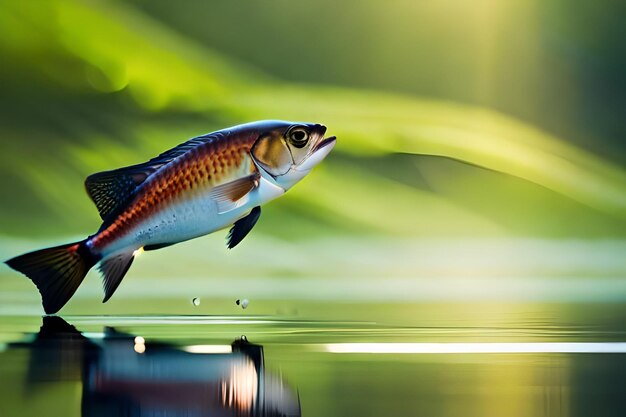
column 203, row 185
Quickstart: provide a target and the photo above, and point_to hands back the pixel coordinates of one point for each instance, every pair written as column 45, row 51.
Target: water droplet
column 244, row 303
column 196, row 302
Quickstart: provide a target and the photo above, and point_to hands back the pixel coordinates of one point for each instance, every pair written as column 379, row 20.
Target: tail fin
column 57, row 272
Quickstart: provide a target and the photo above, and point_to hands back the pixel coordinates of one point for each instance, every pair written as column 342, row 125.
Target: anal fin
column 113, row 269
column 242, row 227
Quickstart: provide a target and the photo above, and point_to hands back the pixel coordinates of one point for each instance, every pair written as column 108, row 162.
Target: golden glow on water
column 208, row 349
column 240, row 390
column 458, row 348
column 140, row 344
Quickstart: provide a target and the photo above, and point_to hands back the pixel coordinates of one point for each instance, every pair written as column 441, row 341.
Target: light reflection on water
column 529, row 364
column 493, row 347
column 123, row 374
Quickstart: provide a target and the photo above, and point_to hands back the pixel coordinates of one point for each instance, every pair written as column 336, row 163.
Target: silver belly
column 189, row 218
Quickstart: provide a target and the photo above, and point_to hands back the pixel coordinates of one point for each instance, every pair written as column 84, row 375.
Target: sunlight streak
column 208, row 349
column 524, row 347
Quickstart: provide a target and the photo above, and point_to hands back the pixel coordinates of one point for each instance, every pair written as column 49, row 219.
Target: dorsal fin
column 111, row 189
column 183, row 148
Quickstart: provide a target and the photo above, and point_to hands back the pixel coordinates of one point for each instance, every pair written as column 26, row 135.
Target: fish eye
column 298, row 137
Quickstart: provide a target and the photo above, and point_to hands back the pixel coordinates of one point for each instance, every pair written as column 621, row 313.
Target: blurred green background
column 476, row 139
column 520, row 103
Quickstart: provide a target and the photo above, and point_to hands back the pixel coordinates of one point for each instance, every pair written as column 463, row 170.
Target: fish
column 206, row 184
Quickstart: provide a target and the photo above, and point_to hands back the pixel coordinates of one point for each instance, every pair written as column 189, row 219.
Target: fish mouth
column 325, row 142
column 318, row 153
column 320, row 130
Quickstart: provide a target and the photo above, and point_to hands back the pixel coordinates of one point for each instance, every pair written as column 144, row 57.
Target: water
column 422, row 359
column 333, row 328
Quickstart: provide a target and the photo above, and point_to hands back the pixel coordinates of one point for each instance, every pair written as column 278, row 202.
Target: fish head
column 288, row 151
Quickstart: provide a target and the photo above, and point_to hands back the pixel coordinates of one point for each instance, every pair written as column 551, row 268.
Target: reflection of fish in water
column 163, row 380
column 203, row 185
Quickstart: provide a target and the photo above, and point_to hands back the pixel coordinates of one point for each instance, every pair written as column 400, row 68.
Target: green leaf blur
column 90, row 86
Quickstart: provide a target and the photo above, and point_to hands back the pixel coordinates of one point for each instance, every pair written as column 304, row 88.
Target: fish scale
column 206, row 165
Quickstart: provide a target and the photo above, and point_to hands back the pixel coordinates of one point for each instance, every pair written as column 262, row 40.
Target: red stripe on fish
column 206, row 165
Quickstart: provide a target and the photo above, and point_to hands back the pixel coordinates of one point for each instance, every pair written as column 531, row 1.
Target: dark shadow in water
column 122, row 375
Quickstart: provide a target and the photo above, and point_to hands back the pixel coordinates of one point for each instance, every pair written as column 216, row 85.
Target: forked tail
column 57, row 272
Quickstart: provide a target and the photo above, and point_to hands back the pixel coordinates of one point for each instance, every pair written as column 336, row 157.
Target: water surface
column 429, row 359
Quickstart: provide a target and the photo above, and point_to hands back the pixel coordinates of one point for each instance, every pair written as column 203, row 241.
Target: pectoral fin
column 227, row 195
column 242, row 227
